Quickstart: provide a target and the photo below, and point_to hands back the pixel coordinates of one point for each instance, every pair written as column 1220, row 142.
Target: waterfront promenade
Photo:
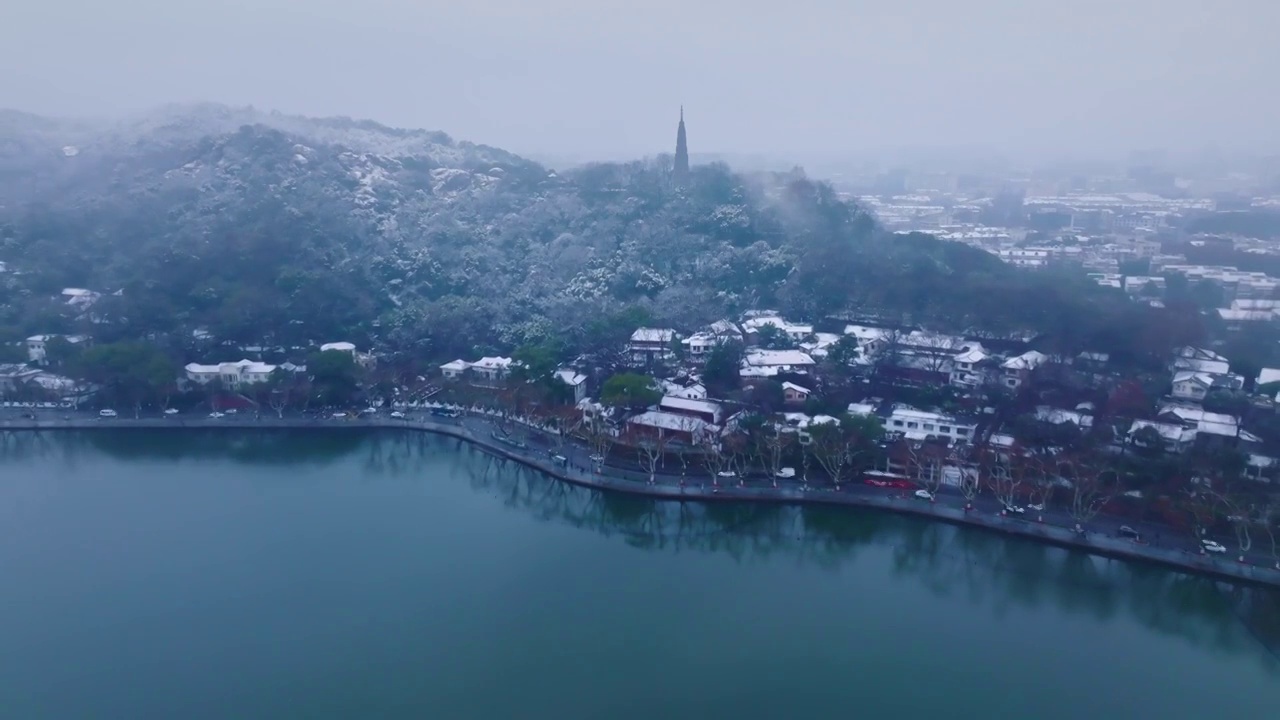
column 538, row 448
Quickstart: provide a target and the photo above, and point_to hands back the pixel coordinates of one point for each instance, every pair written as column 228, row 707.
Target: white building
column 454, row 369
column 1016, row 371
column 794, row 331
column 651, row 344
column 1191, row 385
column 918, row 424
column 232, row 375
column 767, row 363
column 491, row 369
column 576, row 381
column 362, row 359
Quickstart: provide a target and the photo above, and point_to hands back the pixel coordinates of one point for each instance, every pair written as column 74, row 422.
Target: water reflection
column 980, row 568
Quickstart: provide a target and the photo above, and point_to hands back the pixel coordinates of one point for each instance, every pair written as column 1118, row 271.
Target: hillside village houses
column 916, row 358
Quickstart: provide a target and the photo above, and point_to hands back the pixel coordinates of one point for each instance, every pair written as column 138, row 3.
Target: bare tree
column 714, row 459
column 925, row 465
column 970, row 486
column 1201, row 506
column 278, row 399
column 1243, row 511
column 1043, row 472
column 651, row 447
column 1092, row 486
column 831, row 449
column 600, row 440
column 1268, row 519
column 737, row 449
column 772, row 444
column 1004, row 477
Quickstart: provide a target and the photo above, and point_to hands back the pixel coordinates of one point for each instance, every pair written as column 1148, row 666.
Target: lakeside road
column 537, row 448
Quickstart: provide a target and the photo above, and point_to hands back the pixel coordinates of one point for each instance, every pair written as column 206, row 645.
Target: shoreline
column 1097, row 544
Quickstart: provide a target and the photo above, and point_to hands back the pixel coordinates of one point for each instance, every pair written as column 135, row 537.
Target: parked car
column 1038, row 507
column 727, row 474
column 786, row 473
column 924, row 495
column 1213, row 547
column 171, row 411
column 231, row 411
column 339, row 415
column 1014, row 509
column 108, row 413
column 1128, row 532
column 215, row 414
column 397, row 414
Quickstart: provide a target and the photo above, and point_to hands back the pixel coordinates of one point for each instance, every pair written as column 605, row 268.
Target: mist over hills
column 279, row 230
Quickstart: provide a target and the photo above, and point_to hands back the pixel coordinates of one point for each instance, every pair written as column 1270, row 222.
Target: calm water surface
column 282, row 575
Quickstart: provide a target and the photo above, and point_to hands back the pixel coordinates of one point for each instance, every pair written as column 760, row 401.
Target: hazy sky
column 606, row 77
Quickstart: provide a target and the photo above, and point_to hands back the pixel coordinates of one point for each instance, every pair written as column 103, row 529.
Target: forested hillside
column 272, row 230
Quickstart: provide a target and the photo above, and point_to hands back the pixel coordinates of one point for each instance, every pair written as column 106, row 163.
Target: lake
column 348, row 574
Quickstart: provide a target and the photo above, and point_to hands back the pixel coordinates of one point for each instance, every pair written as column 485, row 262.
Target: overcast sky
column 606, row 77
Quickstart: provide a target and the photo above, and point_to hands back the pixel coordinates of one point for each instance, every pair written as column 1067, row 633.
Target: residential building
column 671, row 427
column 971, row 368
column 1016, row 371
column 767, row 363
column 232, row 375
column 708, row 411
column 454, row 369
column 364, row 360
column 794, row 331
column 1199, row 360
column 575, row 381
column 491, row 370
column 80, row 297
column 649, row 345
column 1191, row 385
column 793, row 393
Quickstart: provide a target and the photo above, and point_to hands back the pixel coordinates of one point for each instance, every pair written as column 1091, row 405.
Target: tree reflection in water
column 983, row 568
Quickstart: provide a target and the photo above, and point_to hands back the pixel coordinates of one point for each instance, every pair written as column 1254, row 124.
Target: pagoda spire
column 681, row 172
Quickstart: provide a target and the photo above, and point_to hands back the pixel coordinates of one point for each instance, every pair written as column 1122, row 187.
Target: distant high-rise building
column 681, row 174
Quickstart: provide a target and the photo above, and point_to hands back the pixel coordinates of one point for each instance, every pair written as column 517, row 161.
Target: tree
column 1043, row 471
column 276, row 390
column 1200, row 506
column 334, row 377
column 970, row 486
column 736, row 446
column 831, row 448
column 772, row 337
column 133, row 373
column 926, row 464
column 721, row 374
column 1004, row 476
column 772, row 444
column 1092, row 487
column 651, row 447
column 600, row 440
column 714, row 458
column 629, row 391
column 765, row 396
